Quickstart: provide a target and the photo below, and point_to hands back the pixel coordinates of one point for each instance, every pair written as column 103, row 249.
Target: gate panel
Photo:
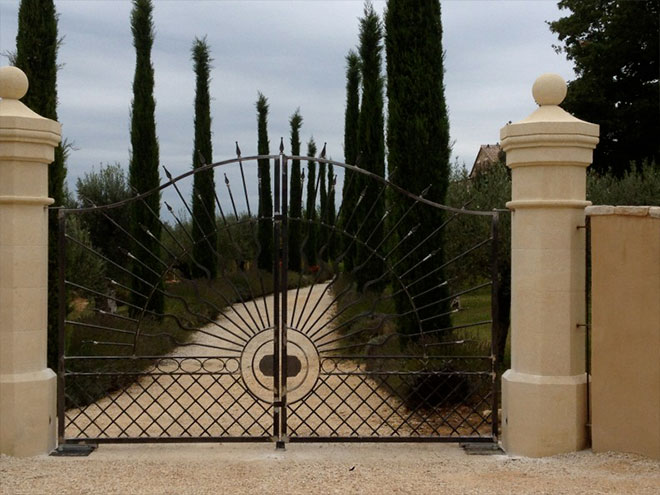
column 133, row 371
column 395, row 323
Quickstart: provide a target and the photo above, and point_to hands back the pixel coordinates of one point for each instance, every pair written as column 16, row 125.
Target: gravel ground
column 324, row 468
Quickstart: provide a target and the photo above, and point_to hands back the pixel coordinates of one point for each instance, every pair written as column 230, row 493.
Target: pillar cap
column 549, row 89
column 549, row 124
column 13, row 83
column 16, row 118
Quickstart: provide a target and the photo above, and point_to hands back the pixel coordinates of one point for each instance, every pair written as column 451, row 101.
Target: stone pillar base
column 28, row 417
column 543, row 415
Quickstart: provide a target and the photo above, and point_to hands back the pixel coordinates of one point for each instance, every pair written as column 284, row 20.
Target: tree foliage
column 323, row 212
column 350, row 192
column 203, row 201
column 639, row 185
column 331, row 213
column 614, row 45
column 418, row 141
column 311, row 228
column 82, row 266
column 107, row 186
column 295, row 197
column 489, row 190
column 36, row 56
column 265, row 234
column 143, row 168
column 371, row 146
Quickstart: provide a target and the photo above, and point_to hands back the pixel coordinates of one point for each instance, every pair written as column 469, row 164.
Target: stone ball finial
column 549, row 89
column 13, row 83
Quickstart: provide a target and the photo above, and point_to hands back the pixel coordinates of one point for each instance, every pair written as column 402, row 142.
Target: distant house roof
column 488, row 155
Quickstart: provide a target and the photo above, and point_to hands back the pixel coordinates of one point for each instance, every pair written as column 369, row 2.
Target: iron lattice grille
column 357, row 399
column 185, row 398
column 299, row 353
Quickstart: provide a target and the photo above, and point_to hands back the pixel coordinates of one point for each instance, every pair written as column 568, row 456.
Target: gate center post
column 277, row 317
column 284, row 371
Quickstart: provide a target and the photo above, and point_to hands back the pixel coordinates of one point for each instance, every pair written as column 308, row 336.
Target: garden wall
column 625, row 294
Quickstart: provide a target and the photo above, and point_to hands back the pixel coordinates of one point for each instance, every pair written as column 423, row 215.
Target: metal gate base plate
column 479, row 448
column 74, row 450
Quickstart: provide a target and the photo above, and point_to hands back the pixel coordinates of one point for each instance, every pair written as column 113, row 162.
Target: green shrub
column 640, row 185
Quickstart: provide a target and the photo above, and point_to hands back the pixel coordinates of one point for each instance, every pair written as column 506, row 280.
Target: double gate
column 191, row 318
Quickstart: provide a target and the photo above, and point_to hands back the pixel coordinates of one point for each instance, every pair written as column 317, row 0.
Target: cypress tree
column 323, row 211
column 203, row 201
column 311, row 226
column 295, row 196
column 418, row 126
column 143, row 167
column 265, row 235
column 350, row 192
column 331, row 213
column 36, row 55
column 371, row 142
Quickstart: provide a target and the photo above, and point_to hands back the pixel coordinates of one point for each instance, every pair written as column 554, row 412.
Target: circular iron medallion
column 257, row 367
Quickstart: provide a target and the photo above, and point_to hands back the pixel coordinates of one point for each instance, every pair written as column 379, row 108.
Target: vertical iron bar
column 284, row 299
column 61, row 289
column 495, row 328
column 276, row 307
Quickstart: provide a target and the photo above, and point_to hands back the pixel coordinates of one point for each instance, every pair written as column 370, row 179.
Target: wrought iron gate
column 382, row 331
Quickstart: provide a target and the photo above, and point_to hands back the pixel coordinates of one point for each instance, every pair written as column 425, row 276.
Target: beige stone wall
column 625, row 295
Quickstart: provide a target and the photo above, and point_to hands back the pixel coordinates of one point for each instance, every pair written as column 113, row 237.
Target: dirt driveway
column 324, row 469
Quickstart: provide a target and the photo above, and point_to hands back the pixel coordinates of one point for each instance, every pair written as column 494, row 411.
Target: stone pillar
column 27, row 387
column 544, row 392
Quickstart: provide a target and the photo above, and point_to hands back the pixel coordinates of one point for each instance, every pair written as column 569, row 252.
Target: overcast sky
column 292, row 51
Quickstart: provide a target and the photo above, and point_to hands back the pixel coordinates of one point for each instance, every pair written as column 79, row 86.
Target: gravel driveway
column 324, row 468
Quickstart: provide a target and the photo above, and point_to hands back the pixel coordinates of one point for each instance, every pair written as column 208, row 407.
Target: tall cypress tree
column 418, row 126
column 323, row 211
column 265, row 235
column 143, row 167
column 350, row 192
column 371, row 143
column 36, row 55
column 331, row 213
column 295, row 196
column 311, row 226
column 203, row 202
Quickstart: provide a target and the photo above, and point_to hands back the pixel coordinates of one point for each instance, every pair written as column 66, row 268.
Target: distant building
column 489, row 154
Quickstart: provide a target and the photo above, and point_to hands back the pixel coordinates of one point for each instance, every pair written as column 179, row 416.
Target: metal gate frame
column 280, row 405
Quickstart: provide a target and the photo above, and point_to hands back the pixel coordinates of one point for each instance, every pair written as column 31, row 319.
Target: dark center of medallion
column 292, row 369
